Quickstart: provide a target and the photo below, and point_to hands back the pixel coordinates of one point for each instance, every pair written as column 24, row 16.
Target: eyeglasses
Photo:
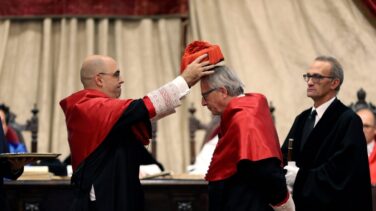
column 116, row 74
column 205, row 94
column 316, row 78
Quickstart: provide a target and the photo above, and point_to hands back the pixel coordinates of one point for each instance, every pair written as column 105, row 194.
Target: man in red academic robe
column 106, row 134
column 245, row 172
column 369, row 129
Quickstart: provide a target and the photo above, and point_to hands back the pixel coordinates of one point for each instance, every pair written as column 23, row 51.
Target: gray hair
column 224, row 76
column 336, row 71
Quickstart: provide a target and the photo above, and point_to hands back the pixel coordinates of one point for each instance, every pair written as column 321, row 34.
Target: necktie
column 308, row 126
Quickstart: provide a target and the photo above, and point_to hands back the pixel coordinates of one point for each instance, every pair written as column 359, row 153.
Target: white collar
column 370, row 147
column 322, row 108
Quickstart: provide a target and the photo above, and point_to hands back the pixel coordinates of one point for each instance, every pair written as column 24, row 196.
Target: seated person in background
column 9, row 169
column 202, row 161
column 11, row 136
column 369, row 128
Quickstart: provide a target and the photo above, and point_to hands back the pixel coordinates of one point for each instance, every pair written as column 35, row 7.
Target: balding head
column 369, row 123
column 91, row 66
column 101, row 73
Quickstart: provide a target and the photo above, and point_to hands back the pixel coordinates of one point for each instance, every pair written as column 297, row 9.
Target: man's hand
column 197, row 69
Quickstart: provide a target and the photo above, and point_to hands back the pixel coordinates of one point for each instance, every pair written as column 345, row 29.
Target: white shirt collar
column 370, row 147
column 321, row 109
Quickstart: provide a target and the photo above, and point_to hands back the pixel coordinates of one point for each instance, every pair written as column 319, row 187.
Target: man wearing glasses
column 369, row 128
column 106, row 134
column 245, row 172
column 329, row 149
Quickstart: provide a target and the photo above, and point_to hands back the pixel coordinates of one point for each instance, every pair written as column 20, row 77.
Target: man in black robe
column 331, row 171
column 106, row 135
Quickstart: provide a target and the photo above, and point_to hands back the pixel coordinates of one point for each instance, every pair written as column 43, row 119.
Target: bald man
column 106, row 134
column 369, row 129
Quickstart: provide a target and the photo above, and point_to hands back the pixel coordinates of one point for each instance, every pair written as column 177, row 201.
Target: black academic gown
column 254, row 186
column 113, row 168
column 334, row 173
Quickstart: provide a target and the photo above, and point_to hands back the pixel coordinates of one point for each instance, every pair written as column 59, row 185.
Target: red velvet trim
column 371, row 5
column 93, row 7
column 141, row 133
column 149, row 106
column 11, row 136
column 284, row 200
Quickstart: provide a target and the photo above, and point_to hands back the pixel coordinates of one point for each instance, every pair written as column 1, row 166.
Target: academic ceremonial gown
column 334, row 173
column 245, row 172
column 106, row 138
column 372, row 165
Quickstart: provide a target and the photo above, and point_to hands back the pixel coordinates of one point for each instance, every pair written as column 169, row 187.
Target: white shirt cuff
column 182, row 86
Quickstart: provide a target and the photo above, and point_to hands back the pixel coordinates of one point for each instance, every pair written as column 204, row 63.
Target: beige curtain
column 40, row 62
column 271, row 43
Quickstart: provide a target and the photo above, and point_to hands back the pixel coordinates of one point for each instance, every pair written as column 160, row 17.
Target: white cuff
column 167, row 98
column 291, row 173
column 150, row 169
column 182, row 86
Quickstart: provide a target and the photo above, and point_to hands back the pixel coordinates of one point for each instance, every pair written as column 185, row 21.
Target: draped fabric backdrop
column 40, row 63
column 120, row 8
column 268, row 43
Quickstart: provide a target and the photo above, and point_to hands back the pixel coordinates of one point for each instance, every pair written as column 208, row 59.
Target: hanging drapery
column 371, row 4
column 27, row 8
column 269, row 43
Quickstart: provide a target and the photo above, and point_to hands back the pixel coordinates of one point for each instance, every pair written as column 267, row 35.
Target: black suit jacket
column 334, row 172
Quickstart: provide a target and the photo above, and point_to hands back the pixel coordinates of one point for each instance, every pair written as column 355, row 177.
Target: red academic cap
column 198, row 48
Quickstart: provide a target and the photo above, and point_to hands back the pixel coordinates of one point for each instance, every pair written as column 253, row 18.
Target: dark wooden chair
column 361, row 102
